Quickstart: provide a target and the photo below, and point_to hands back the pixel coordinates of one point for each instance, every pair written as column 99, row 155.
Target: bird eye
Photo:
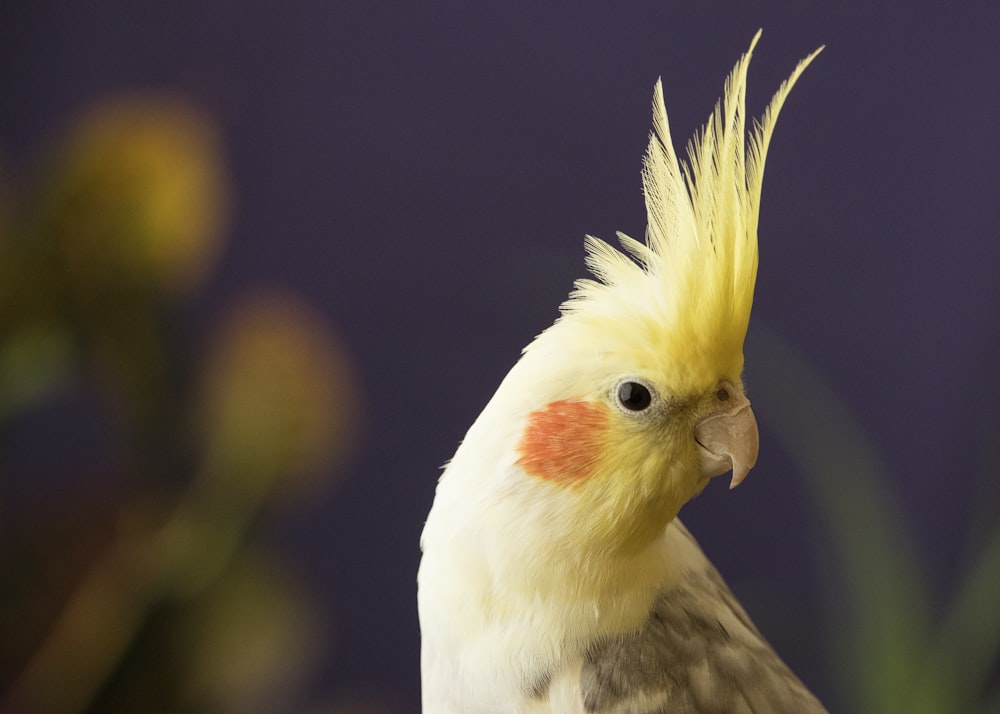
column 722, row 395
column 633, row 396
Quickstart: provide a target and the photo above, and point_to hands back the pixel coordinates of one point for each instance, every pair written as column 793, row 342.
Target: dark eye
column 634, row 396
column 722, row 395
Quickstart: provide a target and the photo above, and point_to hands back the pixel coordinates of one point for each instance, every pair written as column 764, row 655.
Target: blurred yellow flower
column 138, row 195
column 249, row 641
column 280, row 395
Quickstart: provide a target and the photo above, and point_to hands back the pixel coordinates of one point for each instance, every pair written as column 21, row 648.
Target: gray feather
column 698, row 653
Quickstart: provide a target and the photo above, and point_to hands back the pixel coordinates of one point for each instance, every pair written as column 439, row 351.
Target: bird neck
column 489, row 612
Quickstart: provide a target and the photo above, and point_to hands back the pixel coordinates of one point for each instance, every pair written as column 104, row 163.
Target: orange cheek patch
column 563, row 441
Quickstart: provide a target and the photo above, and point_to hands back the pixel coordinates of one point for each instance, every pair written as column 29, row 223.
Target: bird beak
column 728, row 440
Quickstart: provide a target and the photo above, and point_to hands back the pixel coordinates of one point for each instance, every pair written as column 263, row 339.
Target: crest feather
column 694, row 275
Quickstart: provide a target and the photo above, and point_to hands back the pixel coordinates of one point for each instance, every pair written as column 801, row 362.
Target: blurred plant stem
column 141, row 569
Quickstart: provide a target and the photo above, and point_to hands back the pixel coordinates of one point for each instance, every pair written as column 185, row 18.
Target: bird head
column 633, row 400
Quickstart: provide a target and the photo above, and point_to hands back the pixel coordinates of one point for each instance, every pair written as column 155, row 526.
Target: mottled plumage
column 555, row 575
column 698, row 652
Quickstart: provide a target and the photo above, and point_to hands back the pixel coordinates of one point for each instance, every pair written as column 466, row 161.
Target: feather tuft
column 693, row 279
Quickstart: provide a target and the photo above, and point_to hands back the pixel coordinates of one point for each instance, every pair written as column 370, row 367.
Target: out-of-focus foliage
column 155, row 595
column 892, row 651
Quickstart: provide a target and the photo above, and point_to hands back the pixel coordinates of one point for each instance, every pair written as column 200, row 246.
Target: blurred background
column 261, row 266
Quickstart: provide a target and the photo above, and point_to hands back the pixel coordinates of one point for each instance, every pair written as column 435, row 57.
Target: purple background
column 424, row 173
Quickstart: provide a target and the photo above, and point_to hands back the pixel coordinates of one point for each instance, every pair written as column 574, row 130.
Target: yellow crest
column 691, row 284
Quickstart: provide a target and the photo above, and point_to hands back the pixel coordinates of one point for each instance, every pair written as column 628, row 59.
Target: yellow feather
column 692, row 285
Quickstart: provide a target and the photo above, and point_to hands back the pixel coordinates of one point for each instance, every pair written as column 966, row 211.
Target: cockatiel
column 555, row 574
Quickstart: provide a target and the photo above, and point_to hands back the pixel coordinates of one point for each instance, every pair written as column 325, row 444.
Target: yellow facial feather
column 681, row 303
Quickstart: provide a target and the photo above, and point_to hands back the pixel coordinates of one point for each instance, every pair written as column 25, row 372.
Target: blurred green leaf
column 890, row 653
column 882, row 647
column 967, row 647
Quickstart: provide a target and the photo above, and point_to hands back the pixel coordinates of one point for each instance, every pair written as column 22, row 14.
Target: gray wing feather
column 699, row 653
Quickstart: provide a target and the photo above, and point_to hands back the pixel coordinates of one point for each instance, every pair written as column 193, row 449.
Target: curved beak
column 728, row 440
